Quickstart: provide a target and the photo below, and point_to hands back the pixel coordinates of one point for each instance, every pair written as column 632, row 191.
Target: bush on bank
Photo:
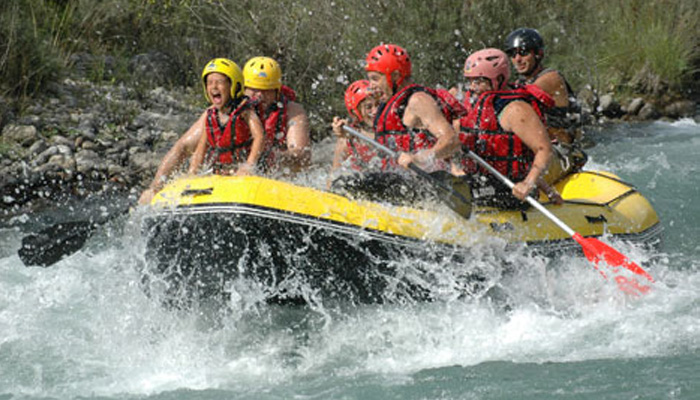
column 632, row 47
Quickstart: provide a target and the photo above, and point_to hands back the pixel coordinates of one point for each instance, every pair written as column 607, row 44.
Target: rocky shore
column 81, row 138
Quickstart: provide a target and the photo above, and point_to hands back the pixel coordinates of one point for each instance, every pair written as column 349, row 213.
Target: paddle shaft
column 450, row 189
column 529, row 199
column 388, row 151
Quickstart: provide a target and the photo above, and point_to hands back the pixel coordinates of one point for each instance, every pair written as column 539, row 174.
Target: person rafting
column 504, row 127
column 362, row 108
column 525, row 48
column 414, row 120
column 187, row 143
column 285, row 121
column 234, row 138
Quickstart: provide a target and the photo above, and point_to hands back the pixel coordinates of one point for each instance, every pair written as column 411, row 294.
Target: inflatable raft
column 211, row 235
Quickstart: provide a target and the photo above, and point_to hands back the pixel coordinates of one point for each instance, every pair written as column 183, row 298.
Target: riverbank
column 82, row 138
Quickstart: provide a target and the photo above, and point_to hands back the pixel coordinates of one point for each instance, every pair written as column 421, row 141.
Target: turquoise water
column 85, row 329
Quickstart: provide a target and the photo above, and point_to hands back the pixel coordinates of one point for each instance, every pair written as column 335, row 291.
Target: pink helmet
column 387, row 58
column 489, row 63
column 354, row 95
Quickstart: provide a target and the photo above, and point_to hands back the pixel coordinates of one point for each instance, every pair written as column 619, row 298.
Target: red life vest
column 359, row 153
column 390, row 130
column 481, row 132
column 229, row 144
column 275, row 120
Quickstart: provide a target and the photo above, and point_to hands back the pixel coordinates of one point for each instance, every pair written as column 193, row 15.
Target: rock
column 44, row 156
column 680, row 109
column 86, row 127
column 63, row 141
column 88, row 160
column 90, row 145
column 609, row 107
column 648, row 111
column 146, row 161
column 61, row 161
column 64, row 150
column 588, row 99
column 25, row 135
column 635, row 106
column 38, row 147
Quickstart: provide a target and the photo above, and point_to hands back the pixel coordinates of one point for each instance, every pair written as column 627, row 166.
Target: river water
column 84, row 328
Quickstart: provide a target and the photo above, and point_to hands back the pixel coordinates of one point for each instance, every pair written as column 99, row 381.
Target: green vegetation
column 633, row 46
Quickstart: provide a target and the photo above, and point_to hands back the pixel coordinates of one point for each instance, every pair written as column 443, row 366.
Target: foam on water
column 85, row 327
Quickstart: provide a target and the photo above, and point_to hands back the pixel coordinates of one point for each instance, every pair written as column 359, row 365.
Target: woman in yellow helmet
column 285, row 121
column 234, row 139
column 219, row 99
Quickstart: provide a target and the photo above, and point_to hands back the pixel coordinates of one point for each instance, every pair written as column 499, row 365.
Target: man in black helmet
column 525, row 48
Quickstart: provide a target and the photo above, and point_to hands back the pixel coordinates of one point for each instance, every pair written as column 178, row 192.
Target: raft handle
column 197, row 192
column 596, row 220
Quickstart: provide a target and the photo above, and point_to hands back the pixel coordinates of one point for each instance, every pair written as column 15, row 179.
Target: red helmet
column 387, row 58
column 354, row 95
column 489, row 63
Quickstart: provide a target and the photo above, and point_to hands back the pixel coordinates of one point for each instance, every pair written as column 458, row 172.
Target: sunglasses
column 523, row 52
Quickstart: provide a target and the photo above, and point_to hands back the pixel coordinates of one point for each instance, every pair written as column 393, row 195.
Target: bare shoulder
column 551, row 82
column 420, row 98
column 295, row 109
column 420, row 103
column 517, row 111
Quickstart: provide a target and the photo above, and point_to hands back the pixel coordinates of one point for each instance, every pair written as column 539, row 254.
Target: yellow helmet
column 262, row 73
column 228, row 68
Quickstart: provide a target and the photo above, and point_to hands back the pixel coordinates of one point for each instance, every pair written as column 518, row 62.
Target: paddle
column 60, row 240
column 454, row 192
column 595, row 250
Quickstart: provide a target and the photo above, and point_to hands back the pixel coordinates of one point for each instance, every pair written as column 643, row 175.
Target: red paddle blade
column 597, row 251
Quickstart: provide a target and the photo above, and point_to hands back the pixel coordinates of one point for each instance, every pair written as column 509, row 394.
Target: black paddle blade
column 54, row 243
column 454, row 191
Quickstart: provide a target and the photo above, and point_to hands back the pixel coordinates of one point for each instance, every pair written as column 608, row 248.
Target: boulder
column 24, row 135
column 62, row 141
column 648, row 111
column 88, row 160
column 588, row 99
column 609, row 107
column 680, row 109
column 38, row 147
column 635, row 106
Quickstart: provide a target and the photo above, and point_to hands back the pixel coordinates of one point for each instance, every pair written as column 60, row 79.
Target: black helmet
column 526, row 39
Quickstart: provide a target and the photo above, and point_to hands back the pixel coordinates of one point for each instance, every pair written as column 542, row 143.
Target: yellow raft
column 212, row 230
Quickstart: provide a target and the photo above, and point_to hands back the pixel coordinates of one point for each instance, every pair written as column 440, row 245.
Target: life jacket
column 389, row 127
column 360, row 154
column 482, row 133
column 275, row 119
column 568, row 117
column 229, row 144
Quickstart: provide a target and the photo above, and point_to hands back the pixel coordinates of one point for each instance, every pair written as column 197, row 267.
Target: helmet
column 228, row 68
column 527, row 39
column 354, row 95
column 262, row 73
column 489, row 63
column 387, row 58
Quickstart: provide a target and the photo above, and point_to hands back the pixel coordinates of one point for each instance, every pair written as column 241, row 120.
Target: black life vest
column 568, row 117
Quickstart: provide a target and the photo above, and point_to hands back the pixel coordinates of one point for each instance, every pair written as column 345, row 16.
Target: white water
column 84, row 327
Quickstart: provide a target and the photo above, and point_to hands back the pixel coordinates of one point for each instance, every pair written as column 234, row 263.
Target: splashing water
column 547, row 327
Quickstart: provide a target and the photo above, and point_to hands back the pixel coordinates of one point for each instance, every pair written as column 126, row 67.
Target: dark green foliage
column 630, row 45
